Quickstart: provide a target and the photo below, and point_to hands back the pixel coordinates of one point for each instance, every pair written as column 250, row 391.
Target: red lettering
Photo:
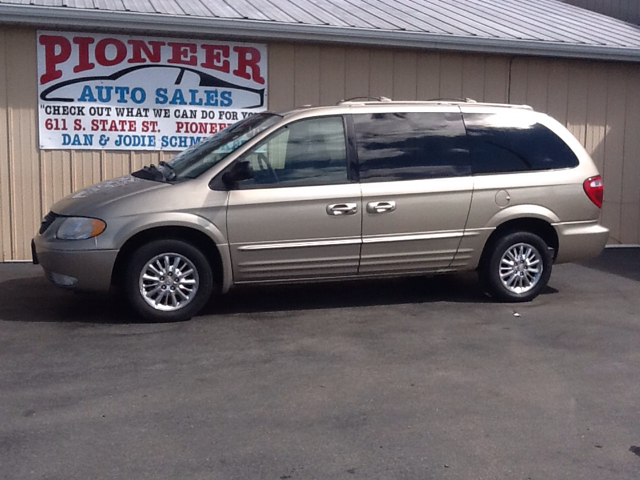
column 101, row 52
column 201, row 128
column 179, row 52
column 214, row 56
column 83, row 54
column 248, row 58
column 153, row 54
column 51, row 58
column 150, row 126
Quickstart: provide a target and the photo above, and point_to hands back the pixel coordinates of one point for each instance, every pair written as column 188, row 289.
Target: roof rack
column 467, row 101
column 365, row 99
column 453, row 100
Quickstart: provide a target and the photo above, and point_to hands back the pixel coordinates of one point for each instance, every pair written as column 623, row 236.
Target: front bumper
column 88, row 270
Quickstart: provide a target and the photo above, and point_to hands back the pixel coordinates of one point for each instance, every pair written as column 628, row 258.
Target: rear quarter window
column 505, row 143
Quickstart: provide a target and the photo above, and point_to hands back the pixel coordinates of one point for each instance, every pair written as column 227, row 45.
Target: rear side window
column 410, row 146
column 504, row 143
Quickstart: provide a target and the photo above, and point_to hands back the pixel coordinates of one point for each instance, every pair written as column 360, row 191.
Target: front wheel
column 516, row 268
column 168, row 280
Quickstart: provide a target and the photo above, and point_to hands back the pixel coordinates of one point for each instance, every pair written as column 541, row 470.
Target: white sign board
column 120, row 92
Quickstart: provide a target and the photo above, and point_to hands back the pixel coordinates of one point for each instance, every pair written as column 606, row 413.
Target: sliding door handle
column 381, row 207
column 342, row 209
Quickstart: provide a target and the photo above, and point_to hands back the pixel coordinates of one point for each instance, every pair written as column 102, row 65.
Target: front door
column 300, row 216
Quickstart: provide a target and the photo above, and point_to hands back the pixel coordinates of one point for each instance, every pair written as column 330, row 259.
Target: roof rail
column 365, row 98
column 435, row 101
column 453, row 100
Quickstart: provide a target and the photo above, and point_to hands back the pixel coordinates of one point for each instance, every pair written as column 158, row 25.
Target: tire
column 516, row 267
column 168, row 280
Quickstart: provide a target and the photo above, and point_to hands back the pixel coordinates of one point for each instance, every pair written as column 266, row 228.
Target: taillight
column 594, row 188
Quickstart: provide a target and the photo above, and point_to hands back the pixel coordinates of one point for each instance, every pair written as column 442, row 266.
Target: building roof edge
column 252, row 30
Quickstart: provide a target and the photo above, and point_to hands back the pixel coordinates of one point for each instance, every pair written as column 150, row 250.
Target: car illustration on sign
column 156, row 85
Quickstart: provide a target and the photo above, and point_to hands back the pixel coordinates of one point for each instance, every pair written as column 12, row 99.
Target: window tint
column 408, row 146
column 506, row 143
column 307, row 152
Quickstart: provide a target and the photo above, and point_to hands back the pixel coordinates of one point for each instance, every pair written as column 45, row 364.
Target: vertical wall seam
column 10, row 166
column 510, row 78
column 605, row 136
column 566, row 91
column 36, row 142
column 344, row 73
column 415, row 93
column 624, row 145
column 295, row 66
column 586, row 118
column 7, row 248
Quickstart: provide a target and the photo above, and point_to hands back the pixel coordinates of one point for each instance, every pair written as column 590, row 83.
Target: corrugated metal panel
column 627, row 10
column 309, row 11
column 195, row 9
column 170, row 7
column 630, row 209
column 113, row 5
column 5, row 185
column 220, row 9
column 598, row 101
column 600, row 106
column 24, row 161
column 138, row 6
column 537, row 20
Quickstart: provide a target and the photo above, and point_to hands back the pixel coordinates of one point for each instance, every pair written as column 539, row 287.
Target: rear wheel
column 516, row 268
column 168, row 280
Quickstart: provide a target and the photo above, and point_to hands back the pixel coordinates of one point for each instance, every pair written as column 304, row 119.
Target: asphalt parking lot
column 417, row 378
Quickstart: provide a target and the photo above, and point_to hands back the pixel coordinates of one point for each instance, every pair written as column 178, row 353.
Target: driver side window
column 304, row 153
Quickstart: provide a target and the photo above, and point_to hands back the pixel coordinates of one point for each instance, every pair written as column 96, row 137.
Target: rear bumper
column 88, row 270
column 580, row 240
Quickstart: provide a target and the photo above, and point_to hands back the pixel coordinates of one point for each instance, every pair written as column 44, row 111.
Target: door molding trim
column 316, row 243
column 418, row 236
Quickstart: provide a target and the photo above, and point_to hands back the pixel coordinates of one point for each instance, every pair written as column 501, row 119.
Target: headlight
column 80, row 228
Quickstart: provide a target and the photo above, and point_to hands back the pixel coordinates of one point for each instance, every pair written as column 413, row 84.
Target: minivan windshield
column 199, row 158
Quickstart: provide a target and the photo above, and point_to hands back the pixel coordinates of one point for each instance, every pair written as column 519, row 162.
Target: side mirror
column 239, row 171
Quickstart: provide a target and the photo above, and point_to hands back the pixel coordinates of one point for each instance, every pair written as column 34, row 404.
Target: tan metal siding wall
column 594, row 99
column 597, row 101
column 600, row 104
column 5, row 206
column 21, row 189
column 32, row 180
column 310, row 75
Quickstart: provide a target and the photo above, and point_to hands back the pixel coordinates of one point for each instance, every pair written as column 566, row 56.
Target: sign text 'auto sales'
column 121, row 92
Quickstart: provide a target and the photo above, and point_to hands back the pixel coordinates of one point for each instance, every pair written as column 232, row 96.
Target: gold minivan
column 358, row 190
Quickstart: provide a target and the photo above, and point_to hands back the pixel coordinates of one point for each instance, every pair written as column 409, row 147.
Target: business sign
column 119, row 92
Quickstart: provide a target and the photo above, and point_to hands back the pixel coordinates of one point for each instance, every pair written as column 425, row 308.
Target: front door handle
column 342, row 209
column 381, row 207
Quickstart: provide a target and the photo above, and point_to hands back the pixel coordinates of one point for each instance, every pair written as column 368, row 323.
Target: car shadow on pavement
column 458, row 288
column 34, row 299
column 624, row 262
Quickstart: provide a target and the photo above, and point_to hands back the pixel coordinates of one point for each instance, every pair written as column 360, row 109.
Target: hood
column 86, row 202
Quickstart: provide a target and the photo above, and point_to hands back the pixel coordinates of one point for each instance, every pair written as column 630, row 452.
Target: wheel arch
column 195, row 237
column 537, row 226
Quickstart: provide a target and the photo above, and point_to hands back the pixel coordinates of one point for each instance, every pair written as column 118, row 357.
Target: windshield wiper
column 172, row 171
column 150, row 173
